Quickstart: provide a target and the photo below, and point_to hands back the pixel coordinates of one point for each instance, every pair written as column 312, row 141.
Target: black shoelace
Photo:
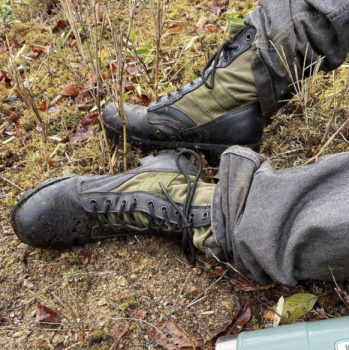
column 227, row 45
column 185, row 220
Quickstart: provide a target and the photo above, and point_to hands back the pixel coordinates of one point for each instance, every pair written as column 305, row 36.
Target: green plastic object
column 332, row 334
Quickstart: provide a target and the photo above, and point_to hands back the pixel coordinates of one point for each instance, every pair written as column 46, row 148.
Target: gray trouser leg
column 292, row 24
column 285, row 225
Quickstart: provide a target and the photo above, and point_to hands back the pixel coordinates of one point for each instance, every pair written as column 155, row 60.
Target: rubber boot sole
column 212, row 152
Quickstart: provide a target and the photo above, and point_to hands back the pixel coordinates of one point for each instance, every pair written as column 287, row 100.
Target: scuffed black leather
column 243, row 126
column 163, row 124
column 58, row 213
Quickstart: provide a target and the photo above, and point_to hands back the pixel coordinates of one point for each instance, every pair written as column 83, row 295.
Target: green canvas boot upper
column 211, row 113
column 164, row 195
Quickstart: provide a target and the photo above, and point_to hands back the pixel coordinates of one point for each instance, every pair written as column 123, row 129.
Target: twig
column 339, row 290
column 138, row 320
column 195, row 302
column 4, row 178
column 229, row 265
column 180, row 292
column 317, row 155
column 130, row 282
column 205, row 291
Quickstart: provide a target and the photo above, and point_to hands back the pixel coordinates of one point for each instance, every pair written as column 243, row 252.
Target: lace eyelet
column 225, row 59
column 180, row 90
column 169, row 95
column 192, row 83
column 151, row 203
column 192, row 216
column 204, row 216
column 93, row 202
column 248, row 37
column 135, row 201
column 109, row 202
column 164, row 209
column 124, row 203
column 176, row 213
column 237, row 48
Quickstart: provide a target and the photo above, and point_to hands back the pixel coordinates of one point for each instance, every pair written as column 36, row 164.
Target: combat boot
column 165, row 194
column 211, row 113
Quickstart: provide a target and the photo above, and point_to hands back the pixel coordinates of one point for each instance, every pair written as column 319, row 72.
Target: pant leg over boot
column 291, row 25
column 285, row 225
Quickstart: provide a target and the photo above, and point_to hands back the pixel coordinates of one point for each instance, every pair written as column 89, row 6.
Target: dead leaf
column 59, row 346
column 173, row 31
column 38, row 49
column 71, row 90
column 46, row 315
column 98, row 12
column 85, row 258
column 61, row 24
column 53, row 109
column 119, row 331
column 241, row 284
column 201, row 22
column 299, row 110
column 83, row 131
column 216, row 272
column 10, row 130
column 173, row 337
column 236, row 325
column 42, row 106
column 278, row 312
column 132, row 70
column 211, row 27
column 216, row 7
column 4, row 78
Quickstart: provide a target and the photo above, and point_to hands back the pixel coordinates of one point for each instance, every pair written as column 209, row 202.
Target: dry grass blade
column 25, row 90
column 302, row 86
column 158, row 11
column 116, row 87
column 93, row 49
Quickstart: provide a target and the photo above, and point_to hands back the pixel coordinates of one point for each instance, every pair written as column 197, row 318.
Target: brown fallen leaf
column 10, row 130
column 59, row 346
column 236, row 325
column 61, row 24
column 211, row 27
column 201, row 22
column 216, row 7
column 83, row 131
column 241, row 284
column 71, row 90
column 216, row 272
column 173, row 337
column 46, row 315
column 85, row 258
column 120, row 330
column 42, row 106
column 4, row 78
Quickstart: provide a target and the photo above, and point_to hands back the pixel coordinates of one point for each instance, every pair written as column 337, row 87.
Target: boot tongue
column 233, row 29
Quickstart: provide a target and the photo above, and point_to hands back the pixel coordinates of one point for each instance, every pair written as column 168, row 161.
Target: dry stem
column 158, row 12
column 74, row 17
column 117, row 90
